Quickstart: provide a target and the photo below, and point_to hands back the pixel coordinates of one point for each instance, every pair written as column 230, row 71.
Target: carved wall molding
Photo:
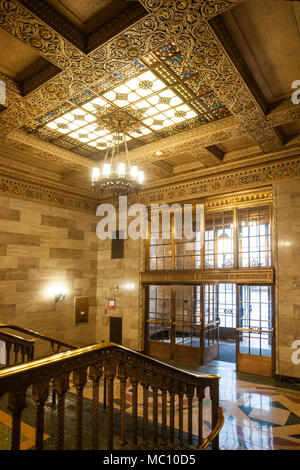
column 245, row 198
column 23, row 168
column 244, row 276
column 11, row 146
column 231, row 181
column 250, row 160
column 284, row 113
column 48, row 148
column 17, row 187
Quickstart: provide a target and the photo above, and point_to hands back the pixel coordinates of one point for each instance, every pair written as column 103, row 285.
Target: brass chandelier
column 117, row 177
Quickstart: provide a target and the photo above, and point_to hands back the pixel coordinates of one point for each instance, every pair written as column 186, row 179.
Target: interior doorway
column 198, row 324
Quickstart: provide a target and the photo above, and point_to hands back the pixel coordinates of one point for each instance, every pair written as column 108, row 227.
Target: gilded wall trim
column 232, row 181
column 14, row 187
column 239, row 276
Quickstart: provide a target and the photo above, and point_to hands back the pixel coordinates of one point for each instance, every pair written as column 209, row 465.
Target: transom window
column 219, row 250
column 239, row 238
column 254, row 237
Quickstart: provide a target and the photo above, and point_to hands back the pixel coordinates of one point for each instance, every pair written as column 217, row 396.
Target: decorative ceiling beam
column 283, row 113
column 47, row 147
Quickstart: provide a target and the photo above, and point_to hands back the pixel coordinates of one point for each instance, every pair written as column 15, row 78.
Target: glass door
column 159, row 321
column 255, row 330
column 186, row 323
column 211, row 323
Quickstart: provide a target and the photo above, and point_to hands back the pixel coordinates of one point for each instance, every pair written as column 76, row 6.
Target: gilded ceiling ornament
column 213, row 51
column 163, row 14
column 145, row 84
column 35, row 42
column 133, row 52
column 49, row 89
column 199, row 59
column 192, row 17
column 122, row 42
column 174, row 28
column 45, row 33
column 87, row 64
column 182, row 5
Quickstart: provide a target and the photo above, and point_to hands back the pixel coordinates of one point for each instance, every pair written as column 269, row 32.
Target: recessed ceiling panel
column 152, row 98
column 267, row 34
column 86, row 15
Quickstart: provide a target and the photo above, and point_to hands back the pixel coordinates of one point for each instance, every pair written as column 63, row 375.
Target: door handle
column 252, row 330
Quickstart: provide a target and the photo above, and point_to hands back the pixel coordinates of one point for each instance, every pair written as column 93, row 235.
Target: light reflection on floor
column 259, row 413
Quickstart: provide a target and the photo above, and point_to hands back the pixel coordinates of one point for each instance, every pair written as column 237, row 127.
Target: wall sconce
column 60, row 294
column 129, row 286
column 58, row 291
column 116, row 287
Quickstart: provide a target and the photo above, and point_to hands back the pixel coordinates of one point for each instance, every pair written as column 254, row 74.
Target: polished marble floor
column 260, row 414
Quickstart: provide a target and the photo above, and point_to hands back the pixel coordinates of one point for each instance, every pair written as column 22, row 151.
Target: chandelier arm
column 126, row 152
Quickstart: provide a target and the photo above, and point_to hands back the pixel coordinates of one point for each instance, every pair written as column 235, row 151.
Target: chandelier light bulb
column 95, row 174
column 141, row 177
column 121, row 169
column 106, row 169
column 134, row 171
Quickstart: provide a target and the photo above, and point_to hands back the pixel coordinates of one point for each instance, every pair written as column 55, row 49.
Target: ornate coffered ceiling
column 213, row 101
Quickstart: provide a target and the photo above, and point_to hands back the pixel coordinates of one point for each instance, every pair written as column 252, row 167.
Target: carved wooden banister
column 23, row 348
column 56, row 344
column 177, row 390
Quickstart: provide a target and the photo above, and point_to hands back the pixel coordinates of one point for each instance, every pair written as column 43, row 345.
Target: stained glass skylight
column 156, row 106
column 153, row 97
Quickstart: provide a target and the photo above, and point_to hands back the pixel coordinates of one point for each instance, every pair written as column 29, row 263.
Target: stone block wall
column 125, row 273
column 287, row 298
column 39, row 247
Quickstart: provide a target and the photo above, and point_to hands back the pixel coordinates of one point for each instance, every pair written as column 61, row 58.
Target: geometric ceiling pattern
column 198, row 91
column 154, row 97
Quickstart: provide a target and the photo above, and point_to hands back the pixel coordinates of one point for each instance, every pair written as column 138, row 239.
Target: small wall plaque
column 81, row 310
column 111, row 304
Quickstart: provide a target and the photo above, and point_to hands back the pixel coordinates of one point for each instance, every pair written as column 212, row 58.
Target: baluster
column 61, row 386
column 190, row 390
column 110, row 371
column 29, row 352
column 155, row 409
column 172, row 411
column 164, row 388
column 95, row 375
column 79, row 380
column 16, row 404
column 8, row 348
column 214, row 396
column 145, row 384
column 122, row 376
column 181, row 390
column 23, row 353
column 40, row 394
column 200, row 396
column 133, row 375
column 16, row 351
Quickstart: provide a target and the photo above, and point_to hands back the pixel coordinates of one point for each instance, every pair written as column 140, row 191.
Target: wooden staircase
column 158, row 385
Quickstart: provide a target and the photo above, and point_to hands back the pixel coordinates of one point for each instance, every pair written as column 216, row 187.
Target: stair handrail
column 215, row 432
column 35, row 334
column 20, row 345
column 111, row 361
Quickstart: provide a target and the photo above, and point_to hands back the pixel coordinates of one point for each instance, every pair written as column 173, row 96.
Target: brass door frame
column 171, row 350
column 248, row 363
